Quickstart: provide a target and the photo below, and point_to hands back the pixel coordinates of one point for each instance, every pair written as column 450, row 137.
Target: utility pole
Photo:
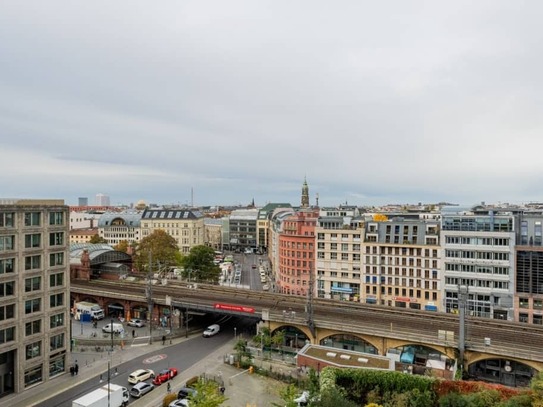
column 150, row 298
column 462, row 303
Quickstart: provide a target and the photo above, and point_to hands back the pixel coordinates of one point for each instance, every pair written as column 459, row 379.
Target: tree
column 199, row 264
column 122, row 246
column 288, row 394
column 96, row 239
column 207, row 395
column 160, row 248
column 243, row 352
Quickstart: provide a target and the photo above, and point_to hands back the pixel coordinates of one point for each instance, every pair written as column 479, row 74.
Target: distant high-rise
column 102, row 200
column 83, row 201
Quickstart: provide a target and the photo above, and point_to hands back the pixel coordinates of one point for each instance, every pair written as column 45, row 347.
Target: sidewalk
column 242, row 389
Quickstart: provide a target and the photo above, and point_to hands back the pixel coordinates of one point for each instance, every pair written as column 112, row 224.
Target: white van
column 117, row 328
column 211, row 330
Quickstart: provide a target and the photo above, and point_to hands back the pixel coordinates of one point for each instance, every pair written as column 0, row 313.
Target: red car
column 164, row 376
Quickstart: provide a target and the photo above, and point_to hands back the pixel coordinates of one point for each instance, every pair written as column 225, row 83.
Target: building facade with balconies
column 478, row 254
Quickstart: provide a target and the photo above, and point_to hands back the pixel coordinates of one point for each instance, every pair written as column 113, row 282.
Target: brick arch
column 450, row 352
column 280, row 327
column 359, row 336
column 474, row 357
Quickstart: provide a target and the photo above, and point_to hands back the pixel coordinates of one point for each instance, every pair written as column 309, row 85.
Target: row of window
column 31, row 262
column 32, row 328
column 32, row 241
column 403, row 292
column 7, row 289
column 400, row 261
column 476, row 255
column 475, row 268
column 344, row 256
column 401, row 251
column 345, row 247
column 334, row 236
column 474, row 282
column 479, row 241
column 7, row 219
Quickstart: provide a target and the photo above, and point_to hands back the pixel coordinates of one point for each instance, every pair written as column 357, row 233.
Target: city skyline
column 216, row 103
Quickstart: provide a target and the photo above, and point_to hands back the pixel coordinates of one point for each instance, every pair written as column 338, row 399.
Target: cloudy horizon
column 372, row 102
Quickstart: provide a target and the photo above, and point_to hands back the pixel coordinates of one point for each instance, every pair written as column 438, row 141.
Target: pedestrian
column 222, row 389
column 169, row 387
column 72, row 370
column 133, row 333
column 76, row 369
column 163, row 339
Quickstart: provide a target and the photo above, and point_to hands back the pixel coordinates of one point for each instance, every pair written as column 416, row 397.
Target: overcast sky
column 374, row 102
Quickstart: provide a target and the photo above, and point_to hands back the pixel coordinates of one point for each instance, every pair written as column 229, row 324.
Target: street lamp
column 111, row 326
column 235, row 333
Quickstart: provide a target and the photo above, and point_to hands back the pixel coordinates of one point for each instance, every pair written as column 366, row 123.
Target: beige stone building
column 34, row 293
column 186, row 226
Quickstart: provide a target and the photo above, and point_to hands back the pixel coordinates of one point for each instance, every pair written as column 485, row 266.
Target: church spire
column 305, row 194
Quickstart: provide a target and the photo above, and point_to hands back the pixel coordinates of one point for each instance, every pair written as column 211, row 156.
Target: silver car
column 141, row 389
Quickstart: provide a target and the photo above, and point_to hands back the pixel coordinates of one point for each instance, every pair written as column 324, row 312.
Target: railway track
column 371, row 319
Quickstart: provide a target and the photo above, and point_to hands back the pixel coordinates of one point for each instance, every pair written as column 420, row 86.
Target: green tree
column 288, row 394
column 122, row 246
column 277, row 339
column 241, row 348
column 484, row 398
column 199, row 263
column 96, row 239
column 208, row 394
column 160, row 247
column 335, row 397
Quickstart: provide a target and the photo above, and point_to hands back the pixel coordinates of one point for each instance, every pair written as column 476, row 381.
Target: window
column 333, row 256
column 56, row 320
column 32, row 284
column 56, row 239
column 6, row 243
column 33, row 240
column 56, row 218
column 33, row 327
column 523, row 302
column 344, row 256
column 32, row 219
column 7, row 335
column 56, row 300
column 33, row 350
column 7, row 312
column 56, row 342
column 344, row 247
column 33, row 375
column 57, row 365
column 32, row 262
column 6, row 219
column 33, row 305
column 7, row 289
column 7, row 266
column 56, row 280
column 56, row 259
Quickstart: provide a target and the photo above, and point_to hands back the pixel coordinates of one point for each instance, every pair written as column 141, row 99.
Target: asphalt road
column 182, row 356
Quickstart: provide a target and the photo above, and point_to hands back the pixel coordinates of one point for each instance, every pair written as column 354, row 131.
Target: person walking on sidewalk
column 163, row 339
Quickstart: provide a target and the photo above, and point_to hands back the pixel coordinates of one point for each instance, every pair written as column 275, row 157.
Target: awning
column 116, row 307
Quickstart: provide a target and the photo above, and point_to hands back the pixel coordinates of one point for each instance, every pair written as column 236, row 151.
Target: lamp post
column 235, row 333
column 111, row 338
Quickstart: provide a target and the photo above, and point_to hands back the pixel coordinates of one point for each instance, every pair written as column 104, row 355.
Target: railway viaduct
column 381, row 328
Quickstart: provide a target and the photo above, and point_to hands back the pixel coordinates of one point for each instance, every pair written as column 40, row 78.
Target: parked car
column 185, row 392
column 115, row 327
column 179, row 403
column 141, row 389
column 140, row 375
column 165, row 375
column 138, row 323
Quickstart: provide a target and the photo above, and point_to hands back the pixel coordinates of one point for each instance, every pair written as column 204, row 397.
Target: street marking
column 154, row 359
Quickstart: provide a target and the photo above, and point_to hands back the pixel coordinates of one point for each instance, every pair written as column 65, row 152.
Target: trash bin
column 231, row 359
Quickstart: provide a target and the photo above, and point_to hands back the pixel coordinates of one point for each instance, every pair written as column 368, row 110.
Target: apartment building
column 34, row 293
column 339, row 236
column 263, row 224
column 400, row 265
column 529, row 269
column 116, row 227
column 297, row 253
column 479, row 255
column 186, row 226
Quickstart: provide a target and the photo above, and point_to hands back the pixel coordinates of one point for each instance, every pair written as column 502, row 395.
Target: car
column 211, row 330
column 253, row 266
column 165, row 375
column 179, row 403
column 141, row 389
column 140, row 375
column 185, row 392
column 138, row 323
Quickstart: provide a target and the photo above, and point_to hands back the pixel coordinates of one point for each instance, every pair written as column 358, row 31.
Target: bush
column 168, row 398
